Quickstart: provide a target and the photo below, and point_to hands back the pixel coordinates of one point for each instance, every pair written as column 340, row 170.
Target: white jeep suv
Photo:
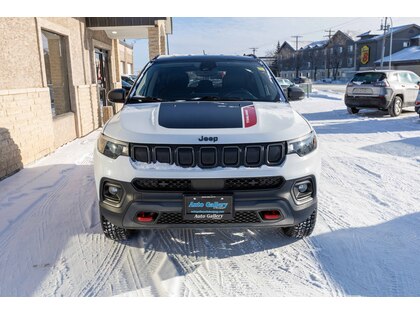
column 206, row 142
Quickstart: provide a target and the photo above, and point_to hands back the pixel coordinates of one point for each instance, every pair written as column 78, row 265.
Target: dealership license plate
column 362, row 91
column 209, row 207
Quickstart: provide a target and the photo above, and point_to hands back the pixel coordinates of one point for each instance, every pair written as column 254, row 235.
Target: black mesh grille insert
column 253, row 183
column 184, row 185
column 240, row 217
column 162, row 184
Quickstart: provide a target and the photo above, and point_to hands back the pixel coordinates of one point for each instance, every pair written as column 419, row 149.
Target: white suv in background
column 206, row 142
column 387, row 90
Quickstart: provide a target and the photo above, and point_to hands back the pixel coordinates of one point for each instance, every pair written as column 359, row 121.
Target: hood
column 206, row 123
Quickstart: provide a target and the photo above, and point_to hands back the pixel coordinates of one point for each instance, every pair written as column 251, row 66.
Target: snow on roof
column 318, row 43
column 395, row 30
column 418, row 36
column 366, row 34
column 407, row 54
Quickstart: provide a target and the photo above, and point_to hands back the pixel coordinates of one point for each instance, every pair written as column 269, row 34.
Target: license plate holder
column 208, row 207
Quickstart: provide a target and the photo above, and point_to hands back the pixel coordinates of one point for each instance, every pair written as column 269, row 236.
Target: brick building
column 54, row 76
column 340, row 56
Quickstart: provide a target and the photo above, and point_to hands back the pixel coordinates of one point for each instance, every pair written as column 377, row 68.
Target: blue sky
column 236, row 35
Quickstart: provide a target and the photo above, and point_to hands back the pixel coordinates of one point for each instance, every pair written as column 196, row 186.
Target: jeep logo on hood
column 211, row 139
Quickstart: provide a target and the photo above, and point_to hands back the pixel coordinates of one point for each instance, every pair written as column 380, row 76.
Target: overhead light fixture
column 114, row 32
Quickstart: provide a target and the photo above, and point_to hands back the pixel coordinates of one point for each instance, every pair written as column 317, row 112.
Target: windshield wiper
column 145, row 99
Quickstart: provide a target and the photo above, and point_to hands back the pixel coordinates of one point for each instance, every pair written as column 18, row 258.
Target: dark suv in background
column 389, row 90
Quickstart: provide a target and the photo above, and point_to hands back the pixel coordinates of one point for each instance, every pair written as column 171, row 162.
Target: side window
column 414, row 78
column 404, row 78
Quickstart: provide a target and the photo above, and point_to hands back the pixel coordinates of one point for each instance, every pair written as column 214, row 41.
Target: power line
column 330, row 31
column 254, row 49
column 297, row 40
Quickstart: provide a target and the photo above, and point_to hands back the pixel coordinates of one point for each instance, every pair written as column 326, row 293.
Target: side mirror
column 117, row 96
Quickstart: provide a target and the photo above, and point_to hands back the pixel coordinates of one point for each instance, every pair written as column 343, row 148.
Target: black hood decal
column 202, row 115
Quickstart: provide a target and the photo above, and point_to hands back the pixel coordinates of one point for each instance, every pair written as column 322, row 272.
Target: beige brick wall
column 64, row 129
column 26, row 125
column 87, row 96
column 157, row 39
column 20, row 64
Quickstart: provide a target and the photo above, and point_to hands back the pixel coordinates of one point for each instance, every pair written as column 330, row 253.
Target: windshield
column 207, row 80
column 368, row 77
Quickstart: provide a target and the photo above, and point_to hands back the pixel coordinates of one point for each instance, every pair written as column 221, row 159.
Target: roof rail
column 155, row 57
column 251, row 55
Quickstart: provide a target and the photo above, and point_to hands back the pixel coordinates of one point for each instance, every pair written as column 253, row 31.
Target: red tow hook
column 145, row 217
column 271, row 215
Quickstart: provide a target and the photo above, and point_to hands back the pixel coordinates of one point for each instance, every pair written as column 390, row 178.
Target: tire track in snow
column 104, row 270
column 187, row 263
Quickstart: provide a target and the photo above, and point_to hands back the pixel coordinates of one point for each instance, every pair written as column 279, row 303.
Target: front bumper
column 169, row 204
column 248, row 207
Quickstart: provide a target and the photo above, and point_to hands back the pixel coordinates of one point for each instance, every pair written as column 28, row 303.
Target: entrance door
column 102, row 75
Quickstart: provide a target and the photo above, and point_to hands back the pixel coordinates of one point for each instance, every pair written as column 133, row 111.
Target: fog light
column 113, row 190
column 303, row 190
column 302, row 187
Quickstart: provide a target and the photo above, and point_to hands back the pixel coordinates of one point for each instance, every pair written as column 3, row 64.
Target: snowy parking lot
column 366, row 242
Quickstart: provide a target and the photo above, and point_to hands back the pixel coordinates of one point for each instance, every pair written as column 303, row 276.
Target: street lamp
column 390, row 44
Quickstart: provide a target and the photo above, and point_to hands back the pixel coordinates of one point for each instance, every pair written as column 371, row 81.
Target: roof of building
column 418, row 36
column 408, row 54
column 392, row 30
column 319, row 43
column 366, row 34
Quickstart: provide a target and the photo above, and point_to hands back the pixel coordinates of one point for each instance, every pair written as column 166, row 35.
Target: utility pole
column 385, row 28
column 254, row 49
column 328, row 55
column 296, row 37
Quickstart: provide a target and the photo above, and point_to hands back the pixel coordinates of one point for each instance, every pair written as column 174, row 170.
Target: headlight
column 112, row 148
column 304, row 145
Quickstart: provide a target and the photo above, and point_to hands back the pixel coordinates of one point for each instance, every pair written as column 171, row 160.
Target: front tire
column 395, row 108
column 114, row 232
column 352, row 110
column 302, row 229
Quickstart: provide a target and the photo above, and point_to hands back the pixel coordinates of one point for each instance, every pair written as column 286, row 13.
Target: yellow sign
column 364, row 55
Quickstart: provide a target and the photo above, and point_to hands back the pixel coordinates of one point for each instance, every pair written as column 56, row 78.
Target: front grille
column 185, row 185
column 208, row 156
column 240, row 217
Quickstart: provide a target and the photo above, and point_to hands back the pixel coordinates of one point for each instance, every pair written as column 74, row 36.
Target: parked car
column 133, row 77
column 387, row 90
column 237, row 155
column 126, row 78
column 302, row 80
column 293, row 91
column 417, row 107
column 126, row 86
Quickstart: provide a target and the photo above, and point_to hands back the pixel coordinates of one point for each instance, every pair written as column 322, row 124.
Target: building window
column 350, row 48
column 331, row 50
column 308, row 74
column 340, row 49
column 122, row 67
column 55, row 58
column 309, row 64
column 129, row 68
column 406, row 44
column 350, row 62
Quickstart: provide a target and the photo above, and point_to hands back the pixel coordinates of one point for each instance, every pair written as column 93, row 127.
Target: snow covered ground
column 366, row 242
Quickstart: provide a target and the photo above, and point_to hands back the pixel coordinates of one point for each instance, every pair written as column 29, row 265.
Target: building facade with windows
column 340, row 56
column 54, row 77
